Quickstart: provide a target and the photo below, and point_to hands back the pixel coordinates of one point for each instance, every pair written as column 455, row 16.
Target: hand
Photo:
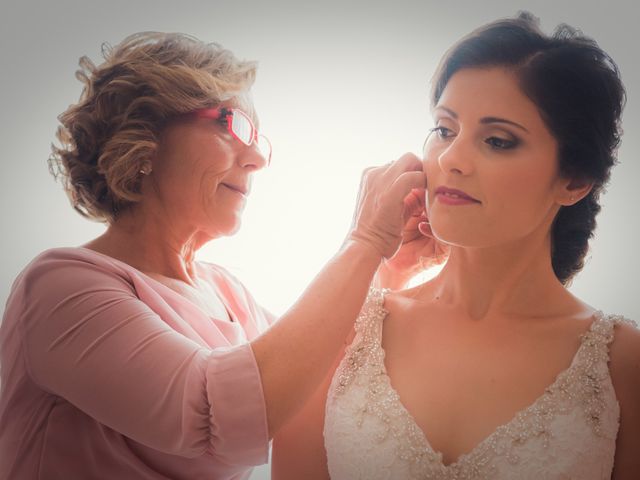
column 419, row 250
column 381, row 210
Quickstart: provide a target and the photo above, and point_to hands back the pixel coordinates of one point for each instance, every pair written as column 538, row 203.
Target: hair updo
column 111, row 134
column 577, row 89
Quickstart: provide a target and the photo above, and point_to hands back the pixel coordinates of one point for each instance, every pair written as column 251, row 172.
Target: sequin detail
column 582, row 385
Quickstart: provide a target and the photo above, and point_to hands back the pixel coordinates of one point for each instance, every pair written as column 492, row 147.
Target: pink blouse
column 107, row 373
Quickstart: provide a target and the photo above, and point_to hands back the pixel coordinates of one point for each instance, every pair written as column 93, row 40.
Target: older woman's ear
column 146, row 169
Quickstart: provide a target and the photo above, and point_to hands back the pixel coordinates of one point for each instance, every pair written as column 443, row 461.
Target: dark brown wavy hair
column 580, row 96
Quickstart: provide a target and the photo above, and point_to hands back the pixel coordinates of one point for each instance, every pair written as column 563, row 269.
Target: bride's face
column 491, row 144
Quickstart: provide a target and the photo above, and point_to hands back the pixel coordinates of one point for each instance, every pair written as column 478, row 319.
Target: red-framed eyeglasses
column 240, row 126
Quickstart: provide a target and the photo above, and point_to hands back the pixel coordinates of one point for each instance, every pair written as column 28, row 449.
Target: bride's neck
column 511, row 280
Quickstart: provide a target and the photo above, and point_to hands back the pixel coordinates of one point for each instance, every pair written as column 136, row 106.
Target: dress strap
column 602, row 330
column 369, row 321
column 588, row 379
column 364, row 356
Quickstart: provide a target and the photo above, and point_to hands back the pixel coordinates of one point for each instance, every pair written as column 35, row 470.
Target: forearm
column 295, row 354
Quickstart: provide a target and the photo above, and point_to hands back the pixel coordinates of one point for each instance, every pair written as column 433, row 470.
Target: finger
column 370, row 174
column 414, row 202
column 403, row 185
column 412, row 223
column 406, row 163
column 412, row 206
column 421, row 194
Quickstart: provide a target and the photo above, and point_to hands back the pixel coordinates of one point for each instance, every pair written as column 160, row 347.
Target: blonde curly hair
column 111, row 134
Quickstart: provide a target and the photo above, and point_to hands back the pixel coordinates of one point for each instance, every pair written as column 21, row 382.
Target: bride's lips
column 452, row 196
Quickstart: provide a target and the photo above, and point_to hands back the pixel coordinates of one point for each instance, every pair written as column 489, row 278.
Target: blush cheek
column 430, row 169
column 522, row 208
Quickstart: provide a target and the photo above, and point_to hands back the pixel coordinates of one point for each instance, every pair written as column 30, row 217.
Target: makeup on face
column 454, row 197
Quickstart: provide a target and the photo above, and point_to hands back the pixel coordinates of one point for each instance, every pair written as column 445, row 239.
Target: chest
column 202, row 296
column 451, row 404
column 460, row 383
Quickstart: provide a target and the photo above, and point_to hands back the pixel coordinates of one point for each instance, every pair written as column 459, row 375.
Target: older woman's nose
column 253, row 158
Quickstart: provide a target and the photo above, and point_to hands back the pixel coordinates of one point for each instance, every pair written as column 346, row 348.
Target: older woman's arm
column 298, row 448
column 90, row 340
column 297, row 352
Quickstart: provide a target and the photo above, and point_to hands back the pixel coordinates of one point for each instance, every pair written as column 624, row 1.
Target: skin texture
column 195, row 190
column 186, row 203
column 469, row 349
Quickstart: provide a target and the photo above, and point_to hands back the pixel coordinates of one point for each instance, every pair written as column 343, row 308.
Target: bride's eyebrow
column 487, row 120
column 483, row 120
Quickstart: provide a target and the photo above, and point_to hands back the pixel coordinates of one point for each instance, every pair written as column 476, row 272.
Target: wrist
column 370, row 242
column 361, row 257
column 362, row 248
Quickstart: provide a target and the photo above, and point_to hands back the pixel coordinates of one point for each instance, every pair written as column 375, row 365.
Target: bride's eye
column 499, row 143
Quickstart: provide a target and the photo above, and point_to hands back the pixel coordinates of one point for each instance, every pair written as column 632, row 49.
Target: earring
column 144, row 171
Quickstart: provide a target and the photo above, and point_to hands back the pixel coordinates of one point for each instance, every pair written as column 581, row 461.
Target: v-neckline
column 231, row 320
column 460, row 459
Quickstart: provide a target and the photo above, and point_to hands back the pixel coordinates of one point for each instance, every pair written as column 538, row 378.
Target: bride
column 493, row 369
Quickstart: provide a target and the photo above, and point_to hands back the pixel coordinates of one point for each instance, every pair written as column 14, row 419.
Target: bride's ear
column 572, row 190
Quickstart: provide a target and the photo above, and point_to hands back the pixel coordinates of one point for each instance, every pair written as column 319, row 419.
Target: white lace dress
column 567, row 433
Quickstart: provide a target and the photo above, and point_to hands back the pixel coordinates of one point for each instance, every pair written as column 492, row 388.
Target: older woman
column 127, row 358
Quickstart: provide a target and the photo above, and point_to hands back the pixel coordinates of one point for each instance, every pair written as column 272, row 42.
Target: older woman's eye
column 501, row 143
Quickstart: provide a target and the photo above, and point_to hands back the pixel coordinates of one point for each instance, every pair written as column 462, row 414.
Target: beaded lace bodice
column 569, row 432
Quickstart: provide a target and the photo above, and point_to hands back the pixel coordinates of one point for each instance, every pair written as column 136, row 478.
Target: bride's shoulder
column 624, row 362
column 400, row 302
column 624, row 352
column 624, row 366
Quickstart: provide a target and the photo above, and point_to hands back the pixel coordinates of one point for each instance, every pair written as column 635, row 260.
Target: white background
column 341, row 86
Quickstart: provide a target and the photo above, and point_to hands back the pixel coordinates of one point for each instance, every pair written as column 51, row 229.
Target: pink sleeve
column 89, row 339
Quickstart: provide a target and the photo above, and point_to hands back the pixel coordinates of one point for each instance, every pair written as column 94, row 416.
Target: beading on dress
column 583, row 384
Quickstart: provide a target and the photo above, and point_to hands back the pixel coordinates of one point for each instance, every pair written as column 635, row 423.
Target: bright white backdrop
column 341, row 86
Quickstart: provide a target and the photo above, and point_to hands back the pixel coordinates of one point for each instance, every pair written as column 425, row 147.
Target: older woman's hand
column 381, row 213
column 419, row 250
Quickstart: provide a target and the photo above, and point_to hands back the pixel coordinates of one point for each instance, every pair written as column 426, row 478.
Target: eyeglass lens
column 242, row 127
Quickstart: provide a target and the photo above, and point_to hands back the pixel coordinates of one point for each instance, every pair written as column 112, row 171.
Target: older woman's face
column 491, row 143
column 202, row 176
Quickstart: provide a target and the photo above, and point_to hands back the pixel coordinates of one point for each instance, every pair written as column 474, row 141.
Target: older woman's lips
column 241, row 190
column 451, row 196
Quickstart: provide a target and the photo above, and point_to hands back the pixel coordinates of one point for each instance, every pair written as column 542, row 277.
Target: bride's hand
column 419, row 250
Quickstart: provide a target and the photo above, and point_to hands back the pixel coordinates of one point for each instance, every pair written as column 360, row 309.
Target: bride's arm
column 625, row 374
